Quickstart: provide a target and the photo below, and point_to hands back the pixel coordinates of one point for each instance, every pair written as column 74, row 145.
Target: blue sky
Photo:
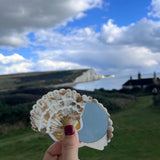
column 111, row 36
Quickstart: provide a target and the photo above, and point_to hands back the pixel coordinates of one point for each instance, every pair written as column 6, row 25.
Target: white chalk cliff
column 88, row 76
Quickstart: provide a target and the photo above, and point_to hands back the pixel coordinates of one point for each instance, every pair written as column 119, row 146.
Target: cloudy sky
column 111, row 36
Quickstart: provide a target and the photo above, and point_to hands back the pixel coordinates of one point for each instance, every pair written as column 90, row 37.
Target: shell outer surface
column 55, row 110
column 62, row 107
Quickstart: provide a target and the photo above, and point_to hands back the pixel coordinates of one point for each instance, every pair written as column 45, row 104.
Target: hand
column 67, row 149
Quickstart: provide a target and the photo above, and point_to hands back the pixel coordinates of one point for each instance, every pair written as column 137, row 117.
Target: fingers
column 70, row 144
column 53, row 151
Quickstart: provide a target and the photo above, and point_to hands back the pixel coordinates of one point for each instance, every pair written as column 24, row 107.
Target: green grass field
column 136, row 136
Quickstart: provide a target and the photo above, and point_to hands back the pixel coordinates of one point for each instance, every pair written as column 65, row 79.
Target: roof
column 135, row 82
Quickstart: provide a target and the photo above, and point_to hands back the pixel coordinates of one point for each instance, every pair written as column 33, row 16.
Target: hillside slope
column 25, row 87
column 37, row 79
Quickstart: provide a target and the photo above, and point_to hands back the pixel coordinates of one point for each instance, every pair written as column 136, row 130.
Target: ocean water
column 110, row 83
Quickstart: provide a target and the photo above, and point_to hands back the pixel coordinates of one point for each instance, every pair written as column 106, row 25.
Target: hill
column 24, row 87
column 32, row 80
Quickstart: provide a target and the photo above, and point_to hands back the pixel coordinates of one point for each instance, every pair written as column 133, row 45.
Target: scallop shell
column 55, row 110
column 63, row 107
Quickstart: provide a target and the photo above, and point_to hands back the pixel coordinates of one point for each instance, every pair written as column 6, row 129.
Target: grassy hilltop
column 135, row 113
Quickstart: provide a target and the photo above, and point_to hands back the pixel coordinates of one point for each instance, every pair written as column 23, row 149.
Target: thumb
column 70, row 143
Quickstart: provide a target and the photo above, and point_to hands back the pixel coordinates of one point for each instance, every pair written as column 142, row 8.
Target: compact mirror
column 95, row 123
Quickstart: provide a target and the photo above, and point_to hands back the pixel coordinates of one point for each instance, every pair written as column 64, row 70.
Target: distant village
column 142, row 82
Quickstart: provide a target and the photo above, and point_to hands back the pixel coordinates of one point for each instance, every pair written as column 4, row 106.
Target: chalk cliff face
column 88, row 76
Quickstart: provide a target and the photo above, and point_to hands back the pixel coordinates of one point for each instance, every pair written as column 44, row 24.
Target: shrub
column 12, row 114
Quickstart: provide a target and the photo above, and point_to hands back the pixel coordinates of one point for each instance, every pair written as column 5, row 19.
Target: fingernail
column 69, row 130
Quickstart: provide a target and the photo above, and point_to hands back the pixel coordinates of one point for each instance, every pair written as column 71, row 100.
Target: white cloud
column 17, row 68
column 80, row 15
column 129, row 48
column 47, row 64
column 111, row 32
column 155, row 9
column 14, row 64
column 142, row 33
column 11, row 59
column 21, row 17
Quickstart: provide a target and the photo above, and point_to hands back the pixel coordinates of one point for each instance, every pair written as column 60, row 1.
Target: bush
column 112, row 100
column 13, row 114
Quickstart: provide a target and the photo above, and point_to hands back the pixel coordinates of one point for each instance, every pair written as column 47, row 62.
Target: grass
column 24, row 144
column 136, row 136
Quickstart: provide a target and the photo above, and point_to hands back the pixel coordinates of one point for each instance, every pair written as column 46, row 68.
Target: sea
column 111, row 83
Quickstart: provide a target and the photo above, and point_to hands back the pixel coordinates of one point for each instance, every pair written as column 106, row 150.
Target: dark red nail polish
column 69, row 130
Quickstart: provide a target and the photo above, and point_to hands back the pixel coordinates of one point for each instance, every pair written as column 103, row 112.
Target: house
column 141, row 82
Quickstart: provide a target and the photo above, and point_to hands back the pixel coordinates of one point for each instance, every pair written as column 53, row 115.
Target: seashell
column 55, row 110
column 63, row 107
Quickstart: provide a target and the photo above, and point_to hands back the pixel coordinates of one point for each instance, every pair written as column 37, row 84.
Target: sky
column 110, row 36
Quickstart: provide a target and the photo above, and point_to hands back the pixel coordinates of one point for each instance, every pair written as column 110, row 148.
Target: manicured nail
column 69, row 130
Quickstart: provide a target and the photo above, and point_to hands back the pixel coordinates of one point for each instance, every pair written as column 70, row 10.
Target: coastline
column 73, row 84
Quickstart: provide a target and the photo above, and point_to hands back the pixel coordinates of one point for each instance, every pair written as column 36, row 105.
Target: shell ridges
column 54, row 109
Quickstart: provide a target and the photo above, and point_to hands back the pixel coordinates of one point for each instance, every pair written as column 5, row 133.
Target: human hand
column 67, row 149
